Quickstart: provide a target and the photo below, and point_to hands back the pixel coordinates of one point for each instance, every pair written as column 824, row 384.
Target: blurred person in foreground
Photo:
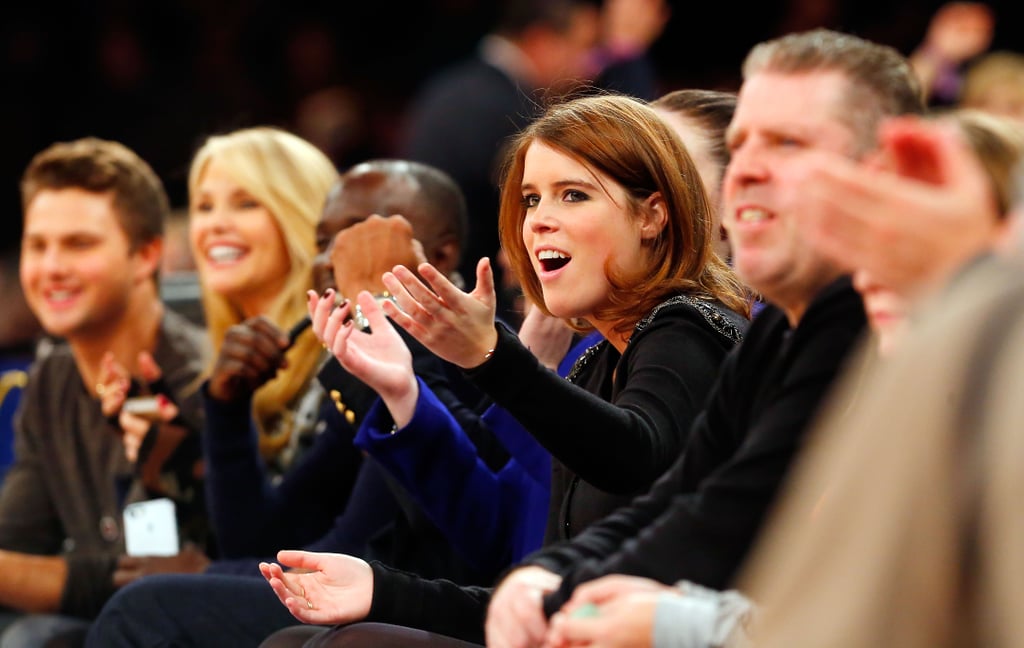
column 635, row 611
column 930, row 542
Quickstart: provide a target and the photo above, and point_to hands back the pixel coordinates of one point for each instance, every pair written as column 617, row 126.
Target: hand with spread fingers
column 250, row 355
column 630, row 27
column 377, row 356
column 155, row 437
column 323, row 588
column 453, row 324
column 921, row 201
column 115, row 387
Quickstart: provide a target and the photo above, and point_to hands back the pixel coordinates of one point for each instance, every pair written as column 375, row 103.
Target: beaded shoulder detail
column 584, row 359
column 713, row 314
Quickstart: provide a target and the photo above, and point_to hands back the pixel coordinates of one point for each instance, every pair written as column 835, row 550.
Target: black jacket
column 700, row 519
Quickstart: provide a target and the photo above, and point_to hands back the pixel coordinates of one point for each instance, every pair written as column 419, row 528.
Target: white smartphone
column 145, row 406
column 150, row 528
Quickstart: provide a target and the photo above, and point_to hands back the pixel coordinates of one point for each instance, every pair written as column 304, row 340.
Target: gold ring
column 303, row 590
column 99, row 389
column 309, row 604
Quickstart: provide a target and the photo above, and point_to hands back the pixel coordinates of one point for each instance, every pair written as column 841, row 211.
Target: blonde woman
column 255, row 197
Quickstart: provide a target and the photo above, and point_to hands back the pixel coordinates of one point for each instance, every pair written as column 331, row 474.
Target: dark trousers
column 361, row 635
column 190, row 610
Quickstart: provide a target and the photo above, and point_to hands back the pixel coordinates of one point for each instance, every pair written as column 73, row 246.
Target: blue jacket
column 493, row 517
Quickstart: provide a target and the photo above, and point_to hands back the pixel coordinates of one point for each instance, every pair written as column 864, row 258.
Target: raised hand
column 324, row 588
column 378, row 357
column 250, row 355
column 363, row 252
column 112, row 385
column 115, row 387
column 136, row 427
column 548, row 337
column 960, row 30
column 910, row 224
column 631, row 26
column 455, row 325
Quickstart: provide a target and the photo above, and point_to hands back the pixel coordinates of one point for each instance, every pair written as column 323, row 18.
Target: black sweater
column 610, row 440
column 700, row 519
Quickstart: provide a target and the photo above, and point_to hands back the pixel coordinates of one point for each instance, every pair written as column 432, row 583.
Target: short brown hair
column 625, row 140
column 101, row 166
column 882, row 83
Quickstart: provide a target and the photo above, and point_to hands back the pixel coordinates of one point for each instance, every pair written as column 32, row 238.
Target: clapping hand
column 455, row 325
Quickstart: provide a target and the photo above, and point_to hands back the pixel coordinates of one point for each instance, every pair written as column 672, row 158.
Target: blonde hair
column 291, row 178
column 1001, row 70
column 998, row 142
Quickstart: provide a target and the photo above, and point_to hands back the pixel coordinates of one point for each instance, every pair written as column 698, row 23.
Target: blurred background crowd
column 161, row 76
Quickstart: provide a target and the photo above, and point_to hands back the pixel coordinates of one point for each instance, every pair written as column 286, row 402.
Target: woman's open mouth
column 551, row 260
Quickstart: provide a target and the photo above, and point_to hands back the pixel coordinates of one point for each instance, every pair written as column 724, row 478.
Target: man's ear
column 653, row 216
column 445, row 255
column 149, row 255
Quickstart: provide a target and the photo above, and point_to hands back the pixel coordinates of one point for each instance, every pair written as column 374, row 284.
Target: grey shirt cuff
column 698, row 617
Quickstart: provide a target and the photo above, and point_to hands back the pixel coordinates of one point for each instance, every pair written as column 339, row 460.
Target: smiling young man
column 93, row 227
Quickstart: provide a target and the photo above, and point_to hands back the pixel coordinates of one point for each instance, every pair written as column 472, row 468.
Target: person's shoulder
column 182, row 341
column 837, row 306
column 53, row 356
column 707, row 313
column 179, row 330
column 51, row 371
column 471, row 85
column 471, row 70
